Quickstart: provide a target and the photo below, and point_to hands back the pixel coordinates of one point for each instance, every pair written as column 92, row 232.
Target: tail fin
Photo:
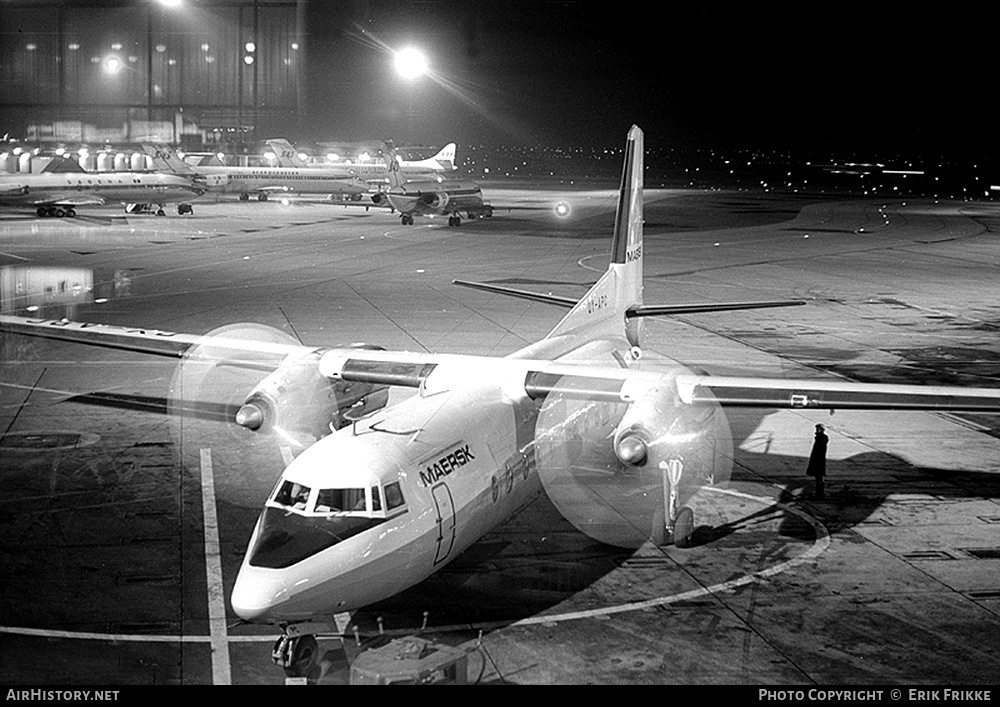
column 392, row 161
column 446, row 157
column 285, row 153
column 607, row 304
column 166, row 160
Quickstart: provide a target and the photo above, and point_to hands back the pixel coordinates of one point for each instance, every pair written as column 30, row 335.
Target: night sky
column 842, row 77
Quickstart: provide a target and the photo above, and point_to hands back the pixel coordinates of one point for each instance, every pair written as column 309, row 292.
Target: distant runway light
column 410, row 63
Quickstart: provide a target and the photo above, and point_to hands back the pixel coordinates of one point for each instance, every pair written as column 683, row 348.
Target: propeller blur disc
column 207, row 390
column 607, row 467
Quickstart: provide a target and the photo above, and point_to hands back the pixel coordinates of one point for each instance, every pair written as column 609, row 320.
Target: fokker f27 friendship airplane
column 386, row 501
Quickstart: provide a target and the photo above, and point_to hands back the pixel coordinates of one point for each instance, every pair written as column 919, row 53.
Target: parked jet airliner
column 383, row 503
column 262, row 181
column 377, row 170
column 64, row 185
column 430, row 197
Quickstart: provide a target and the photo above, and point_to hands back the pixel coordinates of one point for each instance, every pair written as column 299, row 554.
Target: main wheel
column 683, row 527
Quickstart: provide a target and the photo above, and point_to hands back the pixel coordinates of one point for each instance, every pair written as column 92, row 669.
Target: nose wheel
column 296, row 656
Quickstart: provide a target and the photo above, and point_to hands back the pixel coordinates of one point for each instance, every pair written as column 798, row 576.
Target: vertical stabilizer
column 285, row 153
column 166, row 160
column 605, row 305
column 393, row 163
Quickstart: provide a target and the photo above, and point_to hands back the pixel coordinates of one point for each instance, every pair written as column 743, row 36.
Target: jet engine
column 435, row 200
column 212, row 181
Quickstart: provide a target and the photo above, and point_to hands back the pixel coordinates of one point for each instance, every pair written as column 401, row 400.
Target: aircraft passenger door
column 445, row 506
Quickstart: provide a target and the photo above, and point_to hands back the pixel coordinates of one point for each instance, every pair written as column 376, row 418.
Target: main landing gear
column 676, row 524
column 57, row 211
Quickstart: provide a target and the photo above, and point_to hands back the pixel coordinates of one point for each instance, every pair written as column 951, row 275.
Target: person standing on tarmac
column 817, row 462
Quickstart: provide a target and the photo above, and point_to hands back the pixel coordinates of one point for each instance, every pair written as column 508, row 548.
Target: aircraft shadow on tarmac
column 538, row 564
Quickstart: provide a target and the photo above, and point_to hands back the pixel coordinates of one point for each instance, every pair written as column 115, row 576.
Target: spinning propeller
column 625, row 473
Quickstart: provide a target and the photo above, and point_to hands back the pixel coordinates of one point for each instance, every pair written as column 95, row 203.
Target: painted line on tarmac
column 213, row 569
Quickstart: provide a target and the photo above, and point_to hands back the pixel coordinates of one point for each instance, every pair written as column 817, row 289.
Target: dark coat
column 817, row 458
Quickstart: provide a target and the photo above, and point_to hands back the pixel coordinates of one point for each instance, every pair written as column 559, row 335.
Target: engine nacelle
column 295, row 399
column 659, row 430
column 435, row 200
column 212, row 181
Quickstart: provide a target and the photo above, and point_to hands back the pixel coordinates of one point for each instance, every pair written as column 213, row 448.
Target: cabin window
column 293, row 495
column 339, row 500
column 393, row 496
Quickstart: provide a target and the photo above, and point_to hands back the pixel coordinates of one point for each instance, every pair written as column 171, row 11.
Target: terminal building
column 212, row 74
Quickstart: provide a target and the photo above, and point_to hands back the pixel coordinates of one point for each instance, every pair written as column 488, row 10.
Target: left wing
column 147, row 341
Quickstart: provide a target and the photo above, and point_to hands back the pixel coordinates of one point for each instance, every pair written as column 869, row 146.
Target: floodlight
column 410, row 63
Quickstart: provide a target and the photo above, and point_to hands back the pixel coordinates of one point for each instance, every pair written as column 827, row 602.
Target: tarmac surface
column 122, row 528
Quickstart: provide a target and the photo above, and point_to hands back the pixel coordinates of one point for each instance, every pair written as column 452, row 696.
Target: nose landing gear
column 295, row 655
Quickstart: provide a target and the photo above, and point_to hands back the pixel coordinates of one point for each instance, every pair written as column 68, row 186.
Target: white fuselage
column 294, row 180
column 466, row 453
column 433, row 197
column 109, row 187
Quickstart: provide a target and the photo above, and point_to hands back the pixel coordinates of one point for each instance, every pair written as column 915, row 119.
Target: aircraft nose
column 256, row 595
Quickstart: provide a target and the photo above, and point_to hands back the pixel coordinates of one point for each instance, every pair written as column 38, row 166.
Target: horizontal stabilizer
column 653, row 310
column 523, row 294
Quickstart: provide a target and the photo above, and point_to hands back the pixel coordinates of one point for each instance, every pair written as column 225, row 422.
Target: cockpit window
column 293, row 495
column 393, row 496
column 376, row 499
column 338, row 500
